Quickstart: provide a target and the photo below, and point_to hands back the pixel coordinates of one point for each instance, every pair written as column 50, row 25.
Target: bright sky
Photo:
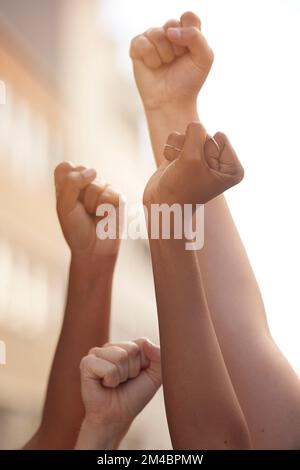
column 252, row 94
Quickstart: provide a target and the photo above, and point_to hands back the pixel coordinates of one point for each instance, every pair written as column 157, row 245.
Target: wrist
column 174, row 111
column 97, row 434
column 93, row 264
column 89, row 276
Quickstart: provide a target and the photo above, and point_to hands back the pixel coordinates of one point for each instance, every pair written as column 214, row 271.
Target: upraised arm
column 202, row 408
column 233, row 295
column 87, row 312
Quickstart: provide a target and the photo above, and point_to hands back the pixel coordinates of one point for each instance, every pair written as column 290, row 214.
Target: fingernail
column 89, row 173
column 174, row 33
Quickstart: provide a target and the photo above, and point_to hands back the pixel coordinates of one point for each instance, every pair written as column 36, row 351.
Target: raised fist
column 196, row 168
column 171, row 63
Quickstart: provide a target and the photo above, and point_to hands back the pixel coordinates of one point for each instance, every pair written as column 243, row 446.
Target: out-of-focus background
column 70, row 95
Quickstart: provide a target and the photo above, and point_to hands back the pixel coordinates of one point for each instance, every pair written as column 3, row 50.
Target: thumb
column 192, row 38
column 151, row 351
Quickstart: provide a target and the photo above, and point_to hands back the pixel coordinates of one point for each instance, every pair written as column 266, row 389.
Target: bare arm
column 86, row 323
column 87, row 312
column 201, row 405
column 267, row 387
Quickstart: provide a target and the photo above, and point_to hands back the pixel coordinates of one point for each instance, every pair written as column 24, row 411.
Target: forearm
column 201, row 406
column 239, row 318
column 223, row 251
column 231, row 288
column 94, row 436
column 86, row 324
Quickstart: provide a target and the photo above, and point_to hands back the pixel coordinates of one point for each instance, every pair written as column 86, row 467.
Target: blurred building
column 65, row 99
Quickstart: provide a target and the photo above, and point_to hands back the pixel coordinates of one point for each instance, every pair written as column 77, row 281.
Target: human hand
column 196, row 168
column 171, row 63
column 78, row 198
column 117, row 381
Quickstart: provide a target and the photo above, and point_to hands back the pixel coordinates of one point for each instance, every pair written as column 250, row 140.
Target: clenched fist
column 117, row 381
column 78, row 198
column 196, row 168
column 171, row 63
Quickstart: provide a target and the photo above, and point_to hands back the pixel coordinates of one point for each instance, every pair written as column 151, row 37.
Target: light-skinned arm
column 267, row 387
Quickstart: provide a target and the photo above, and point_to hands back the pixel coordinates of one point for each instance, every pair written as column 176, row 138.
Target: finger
column 142, row 49
column 109, row 196
column 224, row 155
column 61, row 172
column 212, row 152
column 151, row 355
column 174, row 146
column 91, row 196
column 134, row 357
column 145, row 362
column 118, row 356
column 190, row 19
column 79, row 168
column 73, row 183
column 192, row 38
column 178, row 50
column 158, row 38
column 152, row 351
column 195, row 138
column 93, row 367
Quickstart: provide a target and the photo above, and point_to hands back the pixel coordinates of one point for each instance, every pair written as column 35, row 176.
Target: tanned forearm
column 86, row 323
column 201, row 405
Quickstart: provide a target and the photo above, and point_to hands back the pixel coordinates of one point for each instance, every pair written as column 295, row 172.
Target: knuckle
column 121, row 356
column 210, row 55
column 112, row 376
column 70, row 178
column 221, row 137
column 173, row 136
column 94, row 350
column 193, row 126
column 134, row 45
column 85, row 362
column 240, row 174
column 58, row 169
column 141, row 46
column 134, row 350
column 62, row 167
column 171, row 23
column 155, row 34
column 190, row 14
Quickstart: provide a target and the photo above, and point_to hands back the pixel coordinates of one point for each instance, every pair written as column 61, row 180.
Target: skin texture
column 87, row 312
column 202, row 409
column 266, row 386
column 117, row 381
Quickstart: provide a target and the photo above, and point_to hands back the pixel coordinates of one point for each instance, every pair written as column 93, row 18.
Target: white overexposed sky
column 253, row 95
